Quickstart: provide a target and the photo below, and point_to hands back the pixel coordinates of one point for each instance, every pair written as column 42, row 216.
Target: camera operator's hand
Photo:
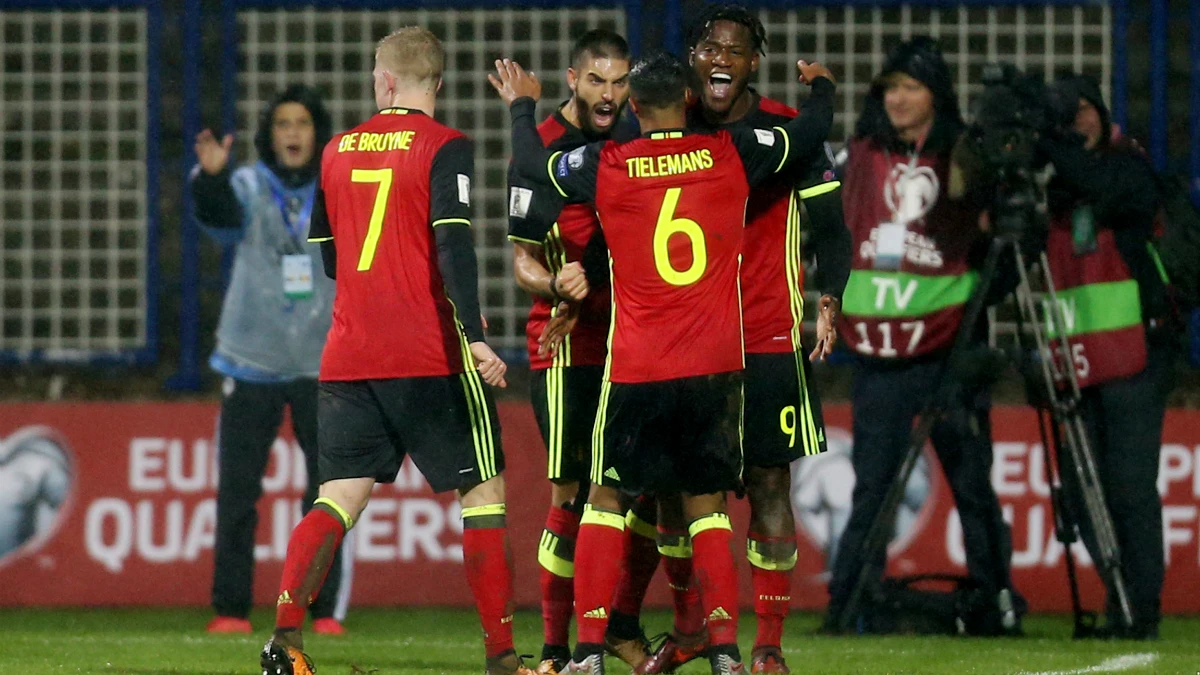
column 809, row 72
column 828, row 309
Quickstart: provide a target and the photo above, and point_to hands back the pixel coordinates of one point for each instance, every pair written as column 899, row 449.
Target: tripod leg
column 1062, row 390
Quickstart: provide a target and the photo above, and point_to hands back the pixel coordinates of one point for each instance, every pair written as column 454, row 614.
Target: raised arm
column 766, row 152
column 572, row 175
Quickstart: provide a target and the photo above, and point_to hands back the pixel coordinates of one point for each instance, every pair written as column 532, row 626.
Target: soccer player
column 782, row 413
column 405, row 362
column 672, row 208
column 548, row 253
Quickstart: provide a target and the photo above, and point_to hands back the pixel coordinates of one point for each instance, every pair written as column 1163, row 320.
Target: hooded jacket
column 915, row 309
column 264, row 335
column 1103, row 204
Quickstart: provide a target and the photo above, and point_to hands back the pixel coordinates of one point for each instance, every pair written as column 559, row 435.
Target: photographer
column 915, row 250
column 1103, row 201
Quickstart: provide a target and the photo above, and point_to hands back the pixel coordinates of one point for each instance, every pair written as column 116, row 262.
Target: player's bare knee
column 769, row 492
column 566, row 494
column 698, row 506
column 345, row 498
column 608, row 499
column 490, row 491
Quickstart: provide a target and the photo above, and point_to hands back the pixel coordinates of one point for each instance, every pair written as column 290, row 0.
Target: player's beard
column 585, row 110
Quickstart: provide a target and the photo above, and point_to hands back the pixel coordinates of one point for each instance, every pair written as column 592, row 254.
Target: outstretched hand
column 512, row 81
column 212, row 154
column 809, row 72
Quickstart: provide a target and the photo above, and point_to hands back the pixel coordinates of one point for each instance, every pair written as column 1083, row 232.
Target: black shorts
column 673, row 436
column 783, row 412
column 447, row 424
column 564, row 403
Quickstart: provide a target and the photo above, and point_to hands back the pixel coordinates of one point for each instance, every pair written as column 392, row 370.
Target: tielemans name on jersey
column 669, row 165
column 369, row 142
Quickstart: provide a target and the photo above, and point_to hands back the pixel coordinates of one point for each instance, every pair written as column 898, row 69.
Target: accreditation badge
column 889, row 245
column 297, row 276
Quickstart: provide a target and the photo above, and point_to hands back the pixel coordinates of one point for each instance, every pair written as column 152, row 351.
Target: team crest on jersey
column 910, row 192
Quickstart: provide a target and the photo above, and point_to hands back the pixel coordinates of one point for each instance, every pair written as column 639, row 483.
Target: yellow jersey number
column 668, row 225
column 787, row 424
column 382, row 177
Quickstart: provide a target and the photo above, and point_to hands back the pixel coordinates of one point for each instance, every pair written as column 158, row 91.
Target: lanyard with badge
column 297, row 267
column 891, row 237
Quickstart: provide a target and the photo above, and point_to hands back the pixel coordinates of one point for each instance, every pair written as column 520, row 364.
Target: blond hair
column 412, row 54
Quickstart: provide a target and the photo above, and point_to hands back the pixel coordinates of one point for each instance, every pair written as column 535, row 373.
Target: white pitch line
column 1114, row 665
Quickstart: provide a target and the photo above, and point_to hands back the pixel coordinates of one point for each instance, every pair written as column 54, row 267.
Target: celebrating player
column 783, row 414
column 672, row 206
column 548, row 250
column 404, row 366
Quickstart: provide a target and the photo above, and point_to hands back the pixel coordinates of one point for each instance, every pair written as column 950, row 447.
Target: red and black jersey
column 772, row 257
column 385, row 186
column 672, row 208
column 573, row 229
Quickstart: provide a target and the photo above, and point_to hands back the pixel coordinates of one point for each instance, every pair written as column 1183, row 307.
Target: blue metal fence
column 56, row 328
column 673, row 17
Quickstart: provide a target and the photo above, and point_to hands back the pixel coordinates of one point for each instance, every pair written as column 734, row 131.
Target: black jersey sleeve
column 820, row 192
column 533, row 208
column 572, row 174
column 320, row 231
column 450, row 216
column 766, row 152
column 216, row 203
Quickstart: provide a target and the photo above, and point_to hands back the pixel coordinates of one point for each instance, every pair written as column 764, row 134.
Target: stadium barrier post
column 187, row 375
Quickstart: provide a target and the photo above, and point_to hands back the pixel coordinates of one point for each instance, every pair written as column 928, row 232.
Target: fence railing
column 79, row 102
column 81, row 106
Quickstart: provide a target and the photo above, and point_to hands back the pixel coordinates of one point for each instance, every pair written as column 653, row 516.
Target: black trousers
column 886, row 400
column 1125, row 421
column 250, row 419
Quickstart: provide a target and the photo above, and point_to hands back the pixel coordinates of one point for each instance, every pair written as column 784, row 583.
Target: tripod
column 1062, row 396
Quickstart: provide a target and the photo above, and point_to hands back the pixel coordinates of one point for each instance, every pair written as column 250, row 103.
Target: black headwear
column 322, row 126
column 1069, row 89
column 921, row 59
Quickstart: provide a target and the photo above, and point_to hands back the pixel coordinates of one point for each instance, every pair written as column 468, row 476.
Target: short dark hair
column 602, row 43
column 738, row 14
column 659, row 80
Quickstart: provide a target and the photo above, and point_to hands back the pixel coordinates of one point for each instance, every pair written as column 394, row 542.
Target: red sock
column 772, row 591
column 599, row 556
column 558, row 591
column 689, row 616
column 641, row 562
column 309, row 554
column 489, row 572
column 716, row 575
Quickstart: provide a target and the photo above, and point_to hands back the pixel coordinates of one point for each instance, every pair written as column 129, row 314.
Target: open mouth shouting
column 603, row 115
column 720, row 85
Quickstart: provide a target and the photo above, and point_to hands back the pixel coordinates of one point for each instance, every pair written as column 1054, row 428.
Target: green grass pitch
column 427, row 641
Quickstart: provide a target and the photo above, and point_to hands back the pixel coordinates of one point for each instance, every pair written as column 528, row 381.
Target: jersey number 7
column 383, row 177
column 668, row 225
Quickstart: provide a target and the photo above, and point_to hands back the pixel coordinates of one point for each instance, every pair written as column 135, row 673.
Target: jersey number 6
column 384, row 178
column 668, row 225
